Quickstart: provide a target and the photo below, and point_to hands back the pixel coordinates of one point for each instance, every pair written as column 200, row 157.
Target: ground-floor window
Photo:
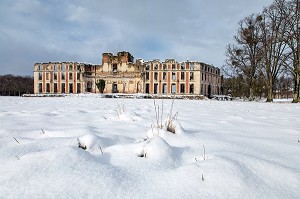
column 155, row 88
column 181, row 88
column 191, row 88
column 173, row 88
column 164, row 89
column 40, row 87
column 78, row 88
column 70, row 87
column 147, row 90
column 55, row 87
column 63, row 87
column 48, row 88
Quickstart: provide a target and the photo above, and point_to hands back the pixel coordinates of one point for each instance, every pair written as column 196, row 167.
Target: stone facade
column 123, row 75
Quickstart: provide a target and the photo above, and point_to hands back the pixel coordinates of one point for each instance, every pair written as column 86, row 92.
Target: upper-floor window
column 70, row 76
column 164, row 67
column 40, row 67
column 147, row 75
column 78, row 76
column 63, row 67
column 147, row 67
column 155, row 67
column 182, row 66
column 55, row 76
column 63, row 76
column 55, row 67
column 164, row 75
column 78, row 67
column 40, row 76
column 155, row 76
column 192, row 66
column 115, row 68
column 70, row 67
column 191, row 75
column 173, row 76
column 173, row 66
column 182, row 75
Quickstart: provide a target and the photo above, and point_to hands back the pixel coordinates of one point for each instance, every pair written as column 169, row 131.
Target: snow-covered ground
column 219, row 149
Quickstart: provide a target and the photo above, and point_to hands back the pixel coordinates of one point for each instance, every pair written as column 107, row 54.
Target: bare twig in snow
column 204, row 152
column 202, row 177
column 43, row 132
column 16, row 140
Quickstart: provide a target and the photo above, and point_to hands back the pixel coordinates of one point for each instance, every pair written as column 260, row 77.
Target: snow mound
column 94, row 143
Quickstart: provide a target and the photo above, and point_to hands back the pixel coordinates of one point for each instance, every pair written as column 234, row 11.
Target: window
column 63, row 76
column 181, row 88
column 147, row 67
column 55, row 76
column 78, row 88
column 70, row 67
column 156, row 76
column 164, row 88
column 70, row 87
column 182, row 66
column 192, row 66
column 55, row 87
column 164, row 75
column 63, row 87
column 147, row 75
column 78, row 67
column 155, row 67
column 182, row 75
column 164, row 67
column 78, row 76
column 55, row 67
column 173, row 88
column 173, row 76
column 115, row 68
column 40, row 76
column 48, row 88
column 147, row 89
column 63, row 67
column 191, row 88
column 47, row 76
column 40, row 67
column 155, row 88
column 173, row 67
column 191, row 75
column 70, row 76
column 40, row 87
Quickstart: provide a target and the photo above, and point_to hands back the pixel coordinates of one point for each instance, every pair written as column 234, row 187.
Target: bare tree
column 273, row 25
column 245, row 55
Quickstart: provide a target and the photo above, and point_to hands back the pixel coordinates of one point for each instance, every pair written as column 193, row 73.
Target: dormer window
column 115, row 68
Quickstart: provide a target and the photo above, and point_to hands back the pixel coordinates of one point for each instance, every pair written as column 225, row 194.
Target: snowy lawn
column 219, row 149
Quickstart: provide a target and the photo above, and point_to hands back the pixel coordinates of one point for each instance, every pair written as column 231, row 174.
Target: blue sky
column 75, row 30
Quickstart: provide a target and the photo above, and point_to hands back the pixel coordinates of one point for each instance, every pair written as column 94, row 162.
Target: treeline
column 11, row 85
column 263, row 59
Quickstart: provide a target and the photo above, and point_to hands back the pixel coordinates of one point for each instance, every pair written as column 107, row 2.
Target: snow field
column 251, row 149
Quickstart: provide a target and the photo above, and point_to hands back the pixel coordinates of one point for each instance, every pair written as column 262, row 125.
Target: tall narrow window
column 40, row 87
column 78, row 88
column 182, row 66
column 78, row 76
column 164, row 89
column 191, row 88
column 70, row 67
column 63, row 67
column 173, row 67
column 115, row 68
column 55, row 67
column 40, row 76
column 182, row 75
column 191, row 75
column 48, row 88
column 63, row 76
column 55, row 87
column 173, row 88
column 70, row 76
column 173, row 76
column 63, row 87
column 70, row 87
column 147, row 75
column 181, row 88
column 156, row 76
column 55, row 76
column 164, row 75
